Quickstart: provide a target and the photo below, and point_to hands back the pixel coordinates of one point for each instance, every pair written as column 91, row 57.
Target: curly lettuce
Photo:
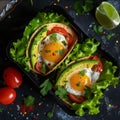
column 18, row 49
column 84, row 49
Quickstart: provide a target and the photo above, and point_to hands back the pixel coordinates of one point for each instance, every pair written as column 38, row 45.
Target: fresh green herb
column 83, row 6
column 82, row 72
column 98, row 29
column 53, row 37
column 61, row 92
column 61, row 52
column 51, row 113
column 64, row 43
column 43, row 67
column 109, row 36
column 46, row 86
column 29, row 100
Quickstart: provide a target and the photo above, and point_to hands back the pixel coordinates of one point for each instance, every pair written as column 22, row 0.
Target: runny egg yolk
column 53, row 51
column 79, row 82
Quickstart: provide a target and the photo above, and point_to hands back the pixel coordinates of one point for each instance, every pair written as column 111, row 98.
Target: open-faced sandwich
column 46, row 42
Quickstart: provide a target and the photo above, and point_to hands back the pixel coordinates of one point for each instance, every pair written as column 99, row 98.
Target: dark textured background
column 12, row 27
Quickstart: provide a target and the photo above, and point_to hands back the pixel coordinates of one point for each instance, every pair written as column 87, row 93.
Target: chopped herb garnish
column 109, row 36
column 83, row 6
column 64, row 43
column 61, row 92
column 43, row 67
column 29, row 100
column 53, row 37
column 50, row 113
column 82, row 72
column 46, row 86
column 98, row 29
column 61, row 52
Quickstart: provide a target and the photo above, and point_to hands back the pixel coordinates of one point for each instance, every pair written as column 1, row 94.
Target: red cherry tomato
column 12, row 77
column 99, row 66
column 7, row 95
column 63, row 32
column 70, row 39
column 77, row 99
column 38, row 66
column 58, row 30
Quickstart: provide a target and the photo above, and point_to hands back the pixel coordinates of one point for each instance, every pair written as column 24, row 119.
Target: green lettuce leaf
column 86, row 48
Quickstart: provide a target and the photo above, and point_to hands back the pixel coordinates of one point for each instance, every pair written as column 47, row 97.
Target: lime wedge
column 107, row 15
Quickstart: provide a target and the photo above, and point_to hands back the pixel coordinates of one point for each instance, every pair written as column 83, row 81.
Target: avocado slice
column 62, row 79
column 34, row 50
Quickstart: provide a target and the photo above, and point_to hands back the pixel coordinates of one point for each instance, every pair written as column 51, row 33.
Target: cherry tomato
column 12, row 77
column 7, row 95
column 63, row 32
column 38, row 66
column 99, row 66
column 77, row 99
column 70, row 39
column 58, row 30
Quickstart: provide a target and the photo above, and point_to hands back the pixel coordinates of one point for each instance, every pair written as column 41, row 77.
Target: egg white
column 93, row 76
column 60, row 39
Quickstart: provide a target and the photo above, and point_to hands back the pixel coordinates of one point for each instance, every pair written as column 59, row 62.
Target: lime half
column 107, row 15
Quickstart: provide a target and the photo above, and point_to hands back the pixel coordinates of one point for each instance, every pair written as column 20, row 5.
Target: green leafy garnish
column 53, row 37
column 83, row 6
column 51, row 113
column 61, row 92
column 109, row 36
column 29, row 100
column 43, row 67
column 61, row 52
column 98, row 29
column 46, row 86
column 82, row 72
